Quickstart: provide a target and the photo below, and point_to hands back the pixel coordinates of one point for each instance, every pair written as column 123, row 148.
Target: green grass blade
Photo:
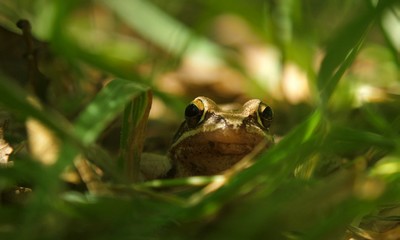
column 106, row 106
column 345, row 138
column 389, row 25
column 16, row 100
column 53, row 26
column 90, row 123
column 267, row 166
column 133, row 134
column 160, row 28
column 343, row 48
column 110, row 102
column 340, row 54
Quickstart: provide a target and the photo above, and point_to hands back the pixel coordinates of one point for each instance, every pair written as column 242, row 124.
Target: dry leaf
column 5, row 149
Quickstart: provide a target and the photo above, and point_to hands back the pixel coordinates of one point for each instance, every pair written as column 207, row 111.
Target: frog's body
column 213, row 138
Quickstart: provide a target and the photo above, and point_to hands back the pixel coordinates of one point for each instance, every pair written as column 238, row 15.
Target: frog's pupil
column 192, row 110
column 267, row 113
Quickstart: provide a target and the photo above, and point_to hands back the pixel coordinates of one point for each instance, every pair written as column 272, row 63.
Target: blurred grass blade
column 267, row 166
column 117, row 67
column 390, row 25
column 343, row 48
column 379, row 122
column 340, row 54
column 345, row 137
column 290, row 145
column 90, row 123
column 53, row 25
column 161, row 29
column 178, row 182
column 110, row 102
column 293, row 209
column 133, row 134
column 16, row 100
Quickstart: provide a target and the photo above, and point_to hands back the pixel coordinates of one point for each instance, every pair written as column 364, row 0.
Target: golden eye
column 194, row 113
column 265, row 115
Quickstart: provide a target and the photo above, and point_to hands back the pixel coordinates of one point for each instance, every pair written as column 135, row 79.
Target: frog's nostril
column 211, row 144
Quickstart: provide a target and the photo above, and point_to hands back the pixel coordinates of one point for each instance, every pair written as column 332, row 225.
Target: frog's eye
column 194, row 113
column 265, row 115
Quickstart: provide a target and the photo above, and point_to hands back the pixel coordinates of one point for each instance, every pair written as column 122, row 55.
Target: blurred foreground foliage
column 329, row 69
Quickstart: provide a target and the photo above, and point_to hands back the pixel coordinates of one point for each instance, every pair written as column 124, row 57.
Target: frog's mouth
column 232, row 141
column 216, row 143
column 214, row 152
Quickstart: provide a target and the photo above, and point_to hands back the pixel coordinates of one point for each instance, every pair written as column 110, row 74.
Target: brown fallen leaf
column 5, row 148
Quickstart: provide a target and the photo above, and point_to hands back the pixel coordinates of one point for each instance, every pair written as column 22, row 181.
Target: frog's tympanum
column 213, row 138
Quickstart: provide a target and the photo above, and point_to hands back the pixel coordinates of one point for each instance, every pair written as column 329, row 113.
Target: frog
column 214, row 137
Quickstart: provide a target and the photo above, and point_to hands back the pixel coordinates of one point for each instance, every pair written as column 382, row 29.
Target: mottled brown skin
column 221, row 139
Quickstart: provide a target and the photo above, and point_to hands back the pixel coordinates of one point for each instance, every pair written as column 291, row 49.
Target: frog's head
column 213, row 138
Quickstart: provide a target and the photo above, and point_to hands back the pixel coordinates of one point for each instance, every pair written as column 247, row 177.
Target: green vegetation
column 333, row 173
